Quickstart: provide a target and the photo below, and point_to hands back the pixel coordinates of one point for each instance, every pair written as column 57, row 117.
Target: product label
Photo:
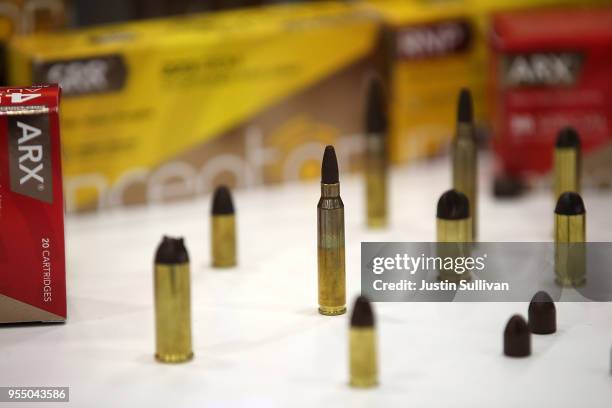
column 434, row 40
column 30, row 156
column 541, row 69
column 84, row 76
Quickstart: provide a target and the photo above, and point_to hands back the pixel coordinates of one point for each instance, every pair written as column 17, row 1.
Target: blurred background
column 164, row 100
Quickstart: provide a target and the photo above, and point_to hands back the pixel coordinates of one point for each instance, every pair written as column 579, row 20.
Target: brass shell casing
column 465, row 170
column 173, row 313
column 449, row 232
column 570, row 251
column 454, row 230
column 330, row 248
column 363, row 358
column 376, row 181
column 567, row 170
column 223, row 240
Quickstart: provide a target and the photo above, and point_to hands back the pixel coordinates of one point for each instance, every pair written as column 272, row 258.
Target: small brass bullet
column 172, row 302
column 465, row 156
column 567, row 162
column 363, row 358
column 223, row 229
column 330, row 239
column 570, row 237
column 376, row 161
column 454, row 231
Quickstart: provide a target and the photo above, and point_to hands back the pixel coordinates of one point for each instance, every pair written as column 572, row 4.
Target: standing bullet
column 376, row 162
column 465, row 156
column 454, row 231
column 362, row 346
column 330, row 239
column 517, row 338
column 567, row 162
column 570, row 236
column 172, row 302
column 542, row 314
column 223, row 229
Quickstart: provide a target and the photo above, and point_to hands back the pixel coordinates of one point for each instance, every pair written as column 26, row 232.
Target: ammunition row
column 456, row 223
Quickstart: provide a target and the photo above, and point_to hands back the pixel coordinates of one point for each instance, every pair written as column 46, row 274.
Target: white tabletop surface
column 258, row 339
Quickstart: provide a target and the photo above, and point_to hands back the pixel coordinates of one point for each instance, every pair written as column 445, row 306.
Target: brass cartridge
column 570, row 237
column 223, row 229
column 567, row 162
column 330, row 240
column 172, row 302
column 363, row 358
column 376, row 161
column 454, row 231
column 465, row 157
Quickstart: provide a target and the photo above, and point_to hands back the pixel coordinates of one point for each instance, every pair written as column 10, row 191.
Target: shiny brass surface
column 330, row 248
column 376, row 181
column 363, row 358
column 566, row 170
column 172, row 313
column 465, row 170
column 570, row 251
column 223, row 240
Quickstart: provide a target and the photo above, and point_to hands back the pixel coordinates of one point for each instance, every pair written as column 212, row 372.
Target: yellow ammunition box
column 27, row 16
column 434, row 49
column 160, row 110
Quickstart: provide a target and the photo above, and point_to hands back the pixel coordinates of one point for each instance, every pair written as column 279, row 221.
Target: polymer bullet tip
column 465, row 112
column 570, row 203
column 376, row 118
column 222, row 201
column 453, row 205
column 542, row 314
column 171, row 251
column 329, row 167
column 568, row 138
column 362, row 316
column 517, row 338
column 506, row 186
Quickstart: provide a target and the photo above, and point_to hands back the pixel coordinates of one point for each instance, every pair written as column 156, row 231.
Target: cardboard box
column 32, row 259
column 551, row 69
column 435, row 48
column 27, row 16
column 167, row 109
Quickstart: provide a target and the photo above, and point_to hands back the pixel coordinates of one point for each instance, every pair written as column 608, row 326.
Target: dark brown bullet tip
column 362, row 313
column 570, row 203
column 376, row 117
column 453, row 205
column 171, row 251
column 517, row 338
column 222, row 201
column 464, row 108
column 568, row 137
column 329, row 168
column 542, row 314
column 507, row 186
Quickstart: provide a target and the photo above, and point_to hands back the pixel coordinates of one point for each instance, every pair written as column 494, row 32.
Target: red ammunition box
column 550, row 69
column 32, row 257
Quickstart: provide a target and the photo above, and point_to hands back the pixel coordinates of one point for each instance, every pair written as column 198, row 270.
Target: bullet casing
column 570, row 250
column 465, row 170
column 363, row 358
column 567, row 170
column 454, row 240
column 376, row 181
column 330, row 237
column 223, row 240
column 173, row 313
